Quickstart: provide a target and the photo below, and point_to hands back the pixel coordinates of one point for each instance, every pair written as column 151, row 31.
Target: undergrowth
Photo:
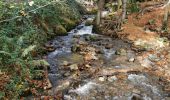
column 24, row 28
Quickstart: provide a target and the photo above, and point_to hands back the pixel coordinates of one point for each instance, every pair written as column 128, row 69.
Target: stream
column 83, row 64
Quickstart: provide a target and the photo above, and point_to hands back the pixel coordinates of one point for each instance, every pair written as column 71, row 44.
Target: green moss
column 60, row 30
column 32, row 29
column 93, row 11
column 68, row 23
column 89, row 22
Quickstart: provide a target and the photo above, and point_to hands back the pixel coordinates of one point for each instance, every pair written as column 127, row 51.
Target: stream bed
column 88, row 66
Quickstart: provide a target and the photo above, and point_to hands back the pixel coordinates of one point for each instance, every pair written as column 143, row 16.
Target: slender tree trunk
column 100, row 8
column 124, row 4
column 119, row 4
column 98, row 17
column 165, row 20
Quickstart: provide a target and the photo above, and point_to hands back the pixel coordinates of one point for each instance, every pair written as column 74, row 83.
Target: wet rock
column 73, row 67
column 112, row 78
column 127, row 94
column 67, row 97
column 88, row 66
column 99, row 51
column 76, row 36
column 154, row 58
column 67, row 74
column 108, row 46
column 75, row 48
column 131, row 59
column 62, row 85
column 137, row 79
column 49, row 45
column 136, row 91
column 168, row 57
column 91, row 49
column 50, row 49
column 145, row 62
column 91, row 38
column 167, row 88
column 79, row 27
column 89, row 22
column 65, row 63
column 90, row 56
column 82, row 43
column 102, row 79
column 136, row 97
column 121, row 52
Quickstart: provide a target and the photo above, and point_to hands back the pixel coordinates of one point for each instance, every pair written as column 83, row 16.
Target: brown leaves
column 4, row 79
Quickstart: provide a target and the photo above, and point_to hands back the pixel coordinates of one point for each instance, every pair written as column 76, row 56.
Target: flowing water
column 85, row 86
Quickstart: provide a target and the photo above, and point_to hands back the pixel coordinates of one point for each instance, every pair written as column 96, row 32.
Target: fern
column 28, row 50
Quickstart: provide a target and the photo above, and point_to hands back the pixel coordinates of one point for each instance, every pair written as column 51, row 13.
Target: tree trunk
column 165, row 20
column 119, row 4
column 100, row 8
column 124, row 2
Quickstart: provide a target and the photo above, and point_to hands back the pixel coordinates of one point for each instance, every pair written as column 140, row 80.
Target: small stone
column 112, row 78
column 49, row 45
column 102, row 79
column 167, row 88
column 67, row 74
column 108, row 46
column 162, row 56
column 88, row 66
column 90, row 56
column 75, row 48
column 82, row 43
column 65, row 63
column 136, row 97
column 131, row 59
column 76, row 36
column 67, row 97
column 63, row 85
column 154, row 58
column 79, row 27
column 136, row 91
column 168, row 57
column 121, row 52
column 127, row 94
column 99, row 51
column 73, row 67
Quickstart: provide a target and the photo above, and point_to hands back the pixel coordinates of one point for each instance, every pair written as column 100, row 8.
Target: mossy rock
column 91, row 38
column 75, row 48
column 60, row 30
column 93, row 11
column 68, row 23
column 97, row 29
column 89, row 22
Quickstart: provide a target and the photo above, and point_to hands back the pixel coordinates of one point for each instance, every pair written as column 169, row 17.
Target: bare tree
column 119, row 4
column 100, row 8
column 124, row 4
column 165, row 20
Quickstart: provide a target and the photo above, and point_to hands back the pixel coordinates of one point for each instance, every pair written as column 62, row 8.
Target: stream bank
column 88, row 66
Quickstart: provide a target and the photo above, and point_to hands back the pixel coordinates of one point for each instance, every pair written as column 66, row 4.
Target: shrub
column 23, row 30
